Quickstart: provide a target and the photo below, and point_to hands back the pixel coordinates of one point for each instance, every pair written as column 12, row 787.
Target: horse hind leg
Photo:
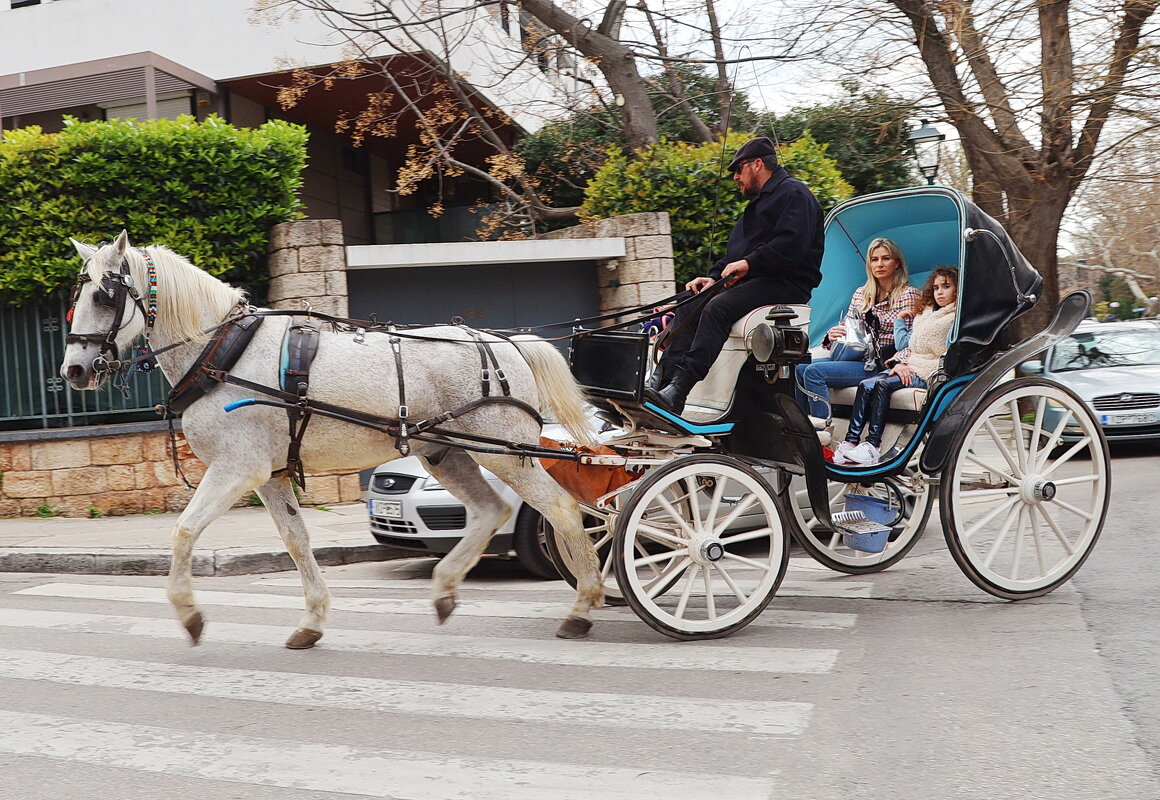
column 218, row 490
column 486, row 511
column 531, row 482
column 278, row 497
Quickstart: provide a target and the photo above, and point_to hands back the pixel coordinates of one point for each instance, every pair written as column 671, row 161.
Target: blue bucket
column 876, row 510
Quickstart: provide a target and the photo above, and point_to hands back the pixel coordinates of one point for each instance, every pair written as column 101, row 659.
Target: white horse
column 243, row 448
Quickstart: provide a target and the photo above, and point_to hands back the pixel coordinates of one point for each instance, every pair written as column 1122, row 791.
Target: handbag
column 857, row 344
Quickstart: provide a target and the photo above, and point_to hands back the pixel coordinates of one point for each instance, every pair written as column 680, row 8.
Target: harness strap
column 299, row 346
column 218, row 356
column 401, row 439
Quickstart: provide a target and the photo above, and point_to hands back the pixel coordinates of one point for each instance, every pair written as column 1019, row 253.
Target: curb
column 221, row 562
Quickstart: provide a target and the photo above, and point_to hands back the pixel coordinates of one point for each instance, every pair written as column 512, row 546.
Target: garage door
column 491, row 296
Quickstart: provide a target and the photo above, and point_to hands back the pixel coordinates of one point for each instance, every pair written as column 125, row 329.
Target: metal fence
column 33, row 395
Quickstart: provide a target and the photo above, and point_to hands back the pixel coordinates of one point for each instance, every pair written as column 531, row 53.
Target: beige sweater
column 928, row 340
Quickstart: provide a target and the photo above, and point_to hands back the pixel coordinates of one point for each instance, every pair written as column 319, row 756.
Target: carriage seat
column 712, row 397
column 905, row 399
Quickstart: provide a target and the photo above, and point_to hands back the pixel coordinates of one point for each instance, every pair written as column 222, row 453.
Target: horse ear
column 85, row 251
column 122, row 243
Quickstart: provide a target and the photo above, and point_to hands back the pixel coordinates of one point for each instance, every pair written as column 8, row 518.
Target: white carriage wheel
column 1027, row 489
column 596, row 525
column 827, row 547
column 712, row 526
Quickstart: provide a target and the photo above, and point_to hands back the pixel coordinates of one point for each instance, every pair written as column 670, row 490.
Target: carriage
column 697, row 543
column 693, row 523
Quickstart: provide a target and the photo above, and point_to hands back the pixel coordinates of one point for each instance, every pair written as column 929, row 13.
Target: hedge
column 207, row 190
column 692, row 184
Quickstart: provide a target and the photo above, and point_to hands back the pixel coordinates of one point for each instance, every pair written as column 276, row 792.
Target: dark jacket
column 781, row 235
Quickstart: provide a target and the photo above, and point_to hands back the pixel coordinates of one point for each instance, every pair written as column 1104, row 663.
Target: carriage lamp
column 926, row 142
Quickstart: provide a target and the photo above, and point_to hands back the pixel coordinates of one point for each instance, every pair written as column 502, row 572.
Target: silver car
column 1115, row 368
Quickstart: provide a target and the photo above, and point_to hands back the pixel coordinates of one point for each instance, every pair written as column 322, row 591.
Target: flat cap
column 755, row 148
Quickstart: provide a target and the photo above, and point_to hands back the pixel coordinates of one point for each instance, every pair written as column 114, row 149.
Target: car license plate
column 1137, row 418
column 387, row 508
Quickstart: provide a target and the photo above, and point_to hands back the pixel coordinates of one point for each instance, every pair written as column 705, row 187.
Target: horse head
column 107, row 314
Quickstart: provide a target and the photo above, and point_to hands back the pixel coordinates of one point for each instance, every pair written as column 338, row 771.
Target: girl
column 924, row 345
column 886, row 296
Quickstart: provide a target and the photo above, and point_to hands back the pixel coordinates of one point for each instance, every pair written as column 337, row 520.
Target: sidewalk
column 241, row 541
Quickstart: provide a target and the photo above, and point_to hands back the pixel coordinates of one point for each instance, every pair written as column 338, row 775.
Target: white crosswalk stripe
column 467, row 606
column 660, row 711
column 410, row 697
column 527, row 651
column 350, row 770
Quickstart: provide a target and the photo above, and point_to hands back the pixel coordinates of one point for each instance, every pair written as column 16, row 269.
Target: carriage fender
column 1072, row 310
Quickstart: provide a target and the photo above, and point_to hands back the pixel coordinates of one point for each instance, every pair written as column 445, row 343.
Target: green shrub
column 691, row 182
column 207, row 190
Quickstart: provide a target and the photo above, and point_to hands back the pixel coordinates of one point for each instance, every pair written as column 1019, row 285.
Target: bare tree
column 1038, row 90
column 633, row 54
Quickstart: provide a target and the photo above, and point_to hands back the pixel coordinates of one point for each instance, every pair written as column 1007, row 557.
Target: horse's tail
column 556, row 384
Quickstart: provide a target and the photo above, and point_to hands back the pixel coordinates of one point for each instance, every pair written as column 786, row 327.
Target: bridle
column 115, row 291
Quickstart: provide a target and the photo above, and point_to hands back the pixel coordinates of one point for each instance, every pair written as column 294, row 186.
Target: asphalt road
column 909, row 685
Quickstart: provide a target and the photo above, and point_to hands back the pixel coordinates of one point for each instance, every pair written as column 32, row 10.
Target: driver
column 773, row 256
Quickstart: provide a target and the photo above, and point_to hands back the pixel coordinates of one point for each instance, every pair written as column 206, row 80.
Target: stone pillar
column 645, row 273
column 307, row 261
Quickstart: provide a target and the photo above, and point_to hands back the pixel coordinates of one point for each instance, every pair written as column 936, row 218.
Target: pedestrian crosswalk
column 428, row 709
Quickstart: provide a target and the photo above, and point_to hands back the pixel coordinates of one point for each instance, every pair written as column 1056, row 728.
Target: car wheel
column 529, row 542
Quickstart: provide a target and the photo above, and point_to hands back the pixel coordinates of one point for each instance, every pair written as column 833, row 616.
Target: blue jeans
column 822, row 375
column 873, row 401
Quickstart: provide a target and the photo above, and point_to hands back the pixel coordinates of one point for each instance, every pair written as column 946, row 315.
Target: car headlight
column 430, row 484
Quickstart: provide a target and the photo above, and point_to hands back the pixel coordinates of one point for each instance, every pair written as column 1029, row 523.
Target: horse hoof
column 574, row 628
column 443, row 608
column 303, row 639
column 194, row 627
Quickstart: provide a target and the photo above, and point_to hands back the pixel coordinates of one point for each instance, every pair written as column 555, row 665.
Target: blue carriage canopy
column 930, row 225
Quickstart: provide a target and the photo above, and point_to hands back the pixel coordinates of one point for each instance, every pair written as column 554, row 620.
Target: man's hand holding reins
column 735, row 271
column 697, row 285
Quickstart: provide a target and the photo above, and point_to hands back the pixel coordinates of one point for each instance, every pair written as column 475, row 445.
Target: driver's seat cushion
column 715, row 392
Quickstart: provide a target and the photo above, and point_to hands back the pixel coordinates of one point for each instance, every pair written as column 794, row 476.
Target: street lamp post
column 926, row 142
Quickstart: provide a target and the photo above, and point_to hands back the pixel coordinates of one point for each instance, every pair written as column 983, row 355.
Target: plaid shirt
column 886, row 312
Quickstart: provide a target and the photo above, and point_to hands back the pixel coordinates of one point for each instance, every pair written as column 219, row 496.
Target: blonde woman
column 886, row 296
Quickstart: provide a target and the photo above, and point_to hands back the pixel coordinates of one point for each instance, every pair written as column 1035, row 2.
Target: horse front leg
column 278, row 496
column 218, row 490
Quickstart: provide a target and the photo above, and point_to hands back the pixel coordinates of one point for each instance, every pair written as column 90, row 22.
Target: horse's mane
column 184, row 292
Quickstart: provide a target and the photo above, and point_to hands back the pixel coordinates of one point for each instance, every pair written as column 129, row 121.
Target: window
column 23, row 3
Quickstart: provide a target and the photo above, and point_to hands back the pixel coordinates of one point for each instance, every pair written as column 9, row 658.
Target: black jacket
column 781, row 235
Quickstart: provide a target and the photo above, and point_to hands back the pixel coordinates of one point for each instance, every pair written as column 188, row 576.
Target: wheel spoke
column 1047, row 448
column 666, row 579
column 1058, row 533
column 749, row 562
column 1003, row 449
column 660, row 536
column 688, row 590
column 725, row 576
column 1077, row 479
column 1001, row 535
column 667, row 506
column 714, row 505
column 1022, row 510
column 694, row 502
column 1063, row 459
column 986, row 494
column 971, row 531
column 746, row 536
column 710, row 602
column 1017, row 436
column 657, row 558
column 990, row 468
column 1069, row 507
column 743, row 505
column 640, row 548
column 1033, row 513
column 1036, row 432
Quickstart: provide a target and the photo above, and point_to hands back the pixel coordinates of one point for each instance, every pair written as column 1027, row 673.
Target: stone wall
column 87, row 472
column 307, row 262
column 645, row 273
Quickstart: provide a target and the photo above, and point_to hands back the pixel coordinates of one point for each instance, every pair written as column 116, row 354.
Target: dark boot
column 656, row 381
column 672, row 396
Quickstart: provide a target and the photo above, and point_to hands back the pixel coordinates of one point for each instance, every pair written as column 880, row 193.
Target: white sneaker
column 865, row 453
column 842, row 453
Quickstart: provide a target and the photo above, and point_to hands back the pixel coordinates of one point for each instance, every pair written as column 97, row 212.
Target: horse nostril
column 75, row 372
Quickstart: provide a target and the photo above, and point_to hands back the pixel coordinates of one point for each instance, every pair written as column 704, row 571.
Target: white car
column 1115, row 368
